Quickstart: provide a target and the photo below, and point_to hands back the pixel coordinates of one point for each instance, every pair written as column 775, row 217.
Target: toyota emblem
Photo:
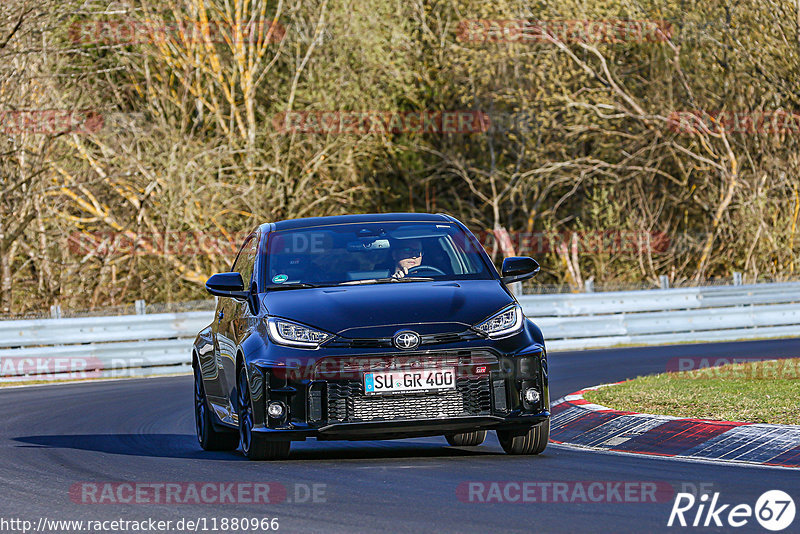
column 406, row 340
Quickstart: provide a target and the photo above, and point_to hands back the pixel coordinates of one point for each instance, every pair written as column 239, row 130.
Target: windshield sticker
column 279, row 278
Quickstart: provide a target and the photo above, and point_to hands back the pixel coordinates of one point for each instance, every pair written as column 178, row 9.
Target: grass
column 752, row 392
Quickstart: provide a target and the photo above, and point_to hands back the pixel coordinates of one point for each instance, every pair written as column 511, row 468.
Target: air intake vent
column 499, row 391
column 347, row 402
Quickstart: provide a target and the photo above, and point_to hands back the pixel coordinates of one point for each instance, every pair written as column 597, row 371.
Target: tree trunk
column 6, row 265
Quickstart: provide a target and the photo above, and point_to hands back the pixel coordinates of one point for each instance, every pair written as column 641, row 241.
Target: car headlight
column 285, row 332
column 503, row 323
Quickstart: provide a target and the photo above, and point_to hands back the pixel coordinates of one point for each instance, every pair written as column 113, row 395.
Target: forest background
column 616, row 142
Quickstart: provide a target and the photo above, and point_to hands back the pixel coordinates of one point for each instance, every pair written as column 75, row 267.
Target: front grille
column 348, row 404
column 384, row 342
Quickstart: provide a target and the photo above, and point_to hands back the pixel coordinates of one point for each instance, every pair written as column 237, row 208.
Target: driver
column 407, row 256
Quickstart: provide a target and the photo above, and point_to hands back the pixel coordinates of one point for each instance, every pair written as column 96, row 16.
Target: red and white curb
column 575, row 421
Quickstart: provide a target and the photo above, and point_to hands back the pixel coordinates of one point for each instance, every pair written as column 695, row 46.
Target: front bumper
column 329, row 406
column 404, row 428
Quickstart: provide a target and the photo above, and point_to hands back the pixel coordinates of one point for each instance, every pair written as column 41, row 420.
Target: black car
column 369, row 327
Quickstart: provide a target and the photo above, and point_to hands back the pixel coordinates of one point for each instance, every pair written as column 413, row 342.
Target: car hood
column 382, row 309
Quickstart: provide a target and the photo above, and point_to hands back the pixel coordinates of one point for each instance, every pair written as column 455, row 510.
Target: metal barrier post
column 516, row 288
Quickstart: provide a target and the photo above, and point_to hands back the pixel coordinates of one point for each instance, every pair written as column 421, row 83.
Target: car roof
column 350, row 219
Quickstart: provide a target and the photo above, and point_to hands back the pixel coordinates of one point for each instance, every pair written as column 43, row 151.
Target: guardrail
column 147, row 344
column 87, row 347
column 663, row 316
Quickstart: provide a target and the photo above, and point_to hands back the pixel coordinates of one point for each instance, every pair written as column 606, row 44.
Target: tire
column 255, row 445
column 533, row 441
column 210, row 438
column 466, row 439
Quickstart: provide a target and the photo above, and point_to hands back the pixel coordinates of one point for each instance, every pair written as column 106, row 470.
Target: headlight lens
column 503, row 323
column 286, row 332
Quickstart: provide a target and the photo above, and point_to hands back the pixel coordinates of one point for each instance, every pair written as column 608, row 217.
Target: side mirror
column 227, row 285
column 518, row 268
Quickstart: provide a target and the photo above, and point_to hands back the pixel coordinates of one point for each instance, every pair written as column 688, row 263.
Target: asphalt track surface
column 142, row 431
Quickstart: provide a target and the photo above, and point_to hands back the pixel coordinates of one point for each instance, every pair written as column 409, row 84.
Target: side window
column 246, row 260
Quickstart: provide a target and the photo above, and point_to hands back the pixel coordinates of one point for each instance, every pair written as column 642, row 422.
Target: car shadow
column 185, row 446
column 152, row 445
column 376, row 450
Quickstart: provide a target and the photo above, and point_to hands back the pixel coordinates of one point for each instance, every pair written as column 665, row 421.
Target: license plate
column 392, row 382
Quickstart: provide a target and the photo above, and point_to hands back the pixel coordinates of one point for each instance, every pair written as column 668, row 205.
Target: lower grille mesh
column 347, row 402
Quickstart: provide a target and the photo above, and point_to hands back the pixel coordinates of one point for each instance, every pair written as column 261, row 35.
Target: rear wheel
column 466, row 439
column 209, row 437
column 255, row 445
column 533, row 441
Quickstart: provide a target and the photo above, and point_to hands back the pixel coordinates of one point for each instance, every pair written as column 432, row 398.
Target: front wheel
column 533, row 441
column 255, row 445
column 209, row 437
column 466, row 439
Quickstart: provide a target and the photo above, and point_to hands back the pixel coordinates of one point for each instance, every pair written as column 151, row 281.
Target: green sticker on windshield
column 279, row 278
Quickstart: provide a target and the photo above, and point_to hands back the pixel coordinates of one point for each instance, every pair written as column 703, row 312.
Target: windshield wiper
column 386, row 280
column 293, row 285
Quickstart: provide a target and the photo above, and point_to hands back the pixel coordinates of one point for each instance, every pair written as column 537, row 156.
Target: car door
column 225, row 342
column 232, row 326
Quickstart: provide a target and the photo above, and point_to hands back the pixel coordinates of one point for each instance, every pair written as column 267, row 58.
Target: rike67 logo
column 774, row 510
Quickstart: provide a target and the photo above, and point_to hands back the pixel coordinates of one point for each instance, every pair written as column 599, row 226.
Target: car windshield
column 367, row 253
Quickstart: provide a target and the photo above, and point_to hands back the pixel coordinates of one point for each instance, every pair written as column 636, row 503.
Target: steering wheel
column 415, row 270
